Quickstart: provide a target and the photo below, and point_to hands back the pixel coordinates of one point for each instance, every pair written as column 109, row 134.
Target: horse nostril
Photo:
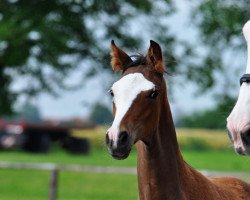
column 230, row 135
column 108, row 141
column 240, row 151
column 245, row 137
column 123, row 138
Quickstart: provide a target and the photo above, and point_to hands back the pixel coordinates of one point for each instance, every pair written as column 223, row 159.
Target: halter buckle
column 245, row 79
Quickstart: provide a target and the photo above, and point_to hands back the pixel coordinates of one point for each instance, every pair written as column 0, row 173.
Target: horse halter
column 245, row 79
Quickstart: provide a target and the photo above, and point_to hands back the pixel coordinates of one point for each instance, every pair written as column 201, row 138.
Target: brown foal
column 142, row 115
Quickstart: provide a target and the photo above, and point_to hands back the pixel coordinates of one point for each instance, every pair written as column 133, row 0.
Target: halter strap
column 245, row 79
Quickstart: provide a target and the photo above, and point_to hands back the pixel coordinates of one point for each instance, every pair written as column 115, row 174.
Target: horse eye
column 154, row 94
column 111, row 92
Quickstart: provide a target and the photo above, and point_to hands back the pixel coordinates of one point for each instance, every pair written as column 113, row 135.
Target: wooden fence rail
column 56, row 168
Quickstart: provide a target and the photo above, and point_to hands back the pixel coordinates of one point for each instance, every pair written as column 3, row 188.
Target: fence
column 55, row 170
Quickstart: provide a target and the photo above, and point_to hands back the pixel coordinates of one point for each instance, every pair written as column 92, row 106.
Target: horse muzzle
column 119, row 147
column 241, row 141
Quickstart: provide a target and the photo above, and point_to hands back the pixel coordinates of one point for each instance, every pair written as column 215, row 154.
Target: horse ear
column 119, row 58
column 154, row 56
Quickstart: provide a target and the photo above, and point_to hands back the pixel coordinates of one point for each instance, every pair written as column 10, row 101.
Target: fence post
column 53, row 184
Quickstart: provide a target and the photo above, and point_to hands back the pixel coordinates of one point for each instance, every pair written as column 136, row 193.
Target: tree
column 219, row 24
column 30, row 112
column 101, row 114
column 42, row 41
column 26, row 111
column 214, row 118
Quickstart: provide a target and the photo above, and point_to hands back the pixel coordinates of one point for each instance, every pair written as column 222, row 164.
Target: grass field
column 211, row 160
column 201, row 149
column 33, row 185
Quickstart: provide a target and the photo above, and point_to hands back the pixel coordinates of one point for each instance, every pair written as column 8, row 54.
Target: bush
column 214, row 118
column 95, row 136
column 101, row 114
column 194, row 144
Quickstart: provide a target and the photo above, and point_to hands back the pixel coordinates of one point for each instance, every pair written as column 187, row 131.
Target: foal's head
column 137, row 98
column 238, row 122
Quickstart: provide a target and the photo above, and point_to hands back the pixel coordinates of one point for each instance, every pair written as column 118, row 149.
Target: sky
column 183, row 99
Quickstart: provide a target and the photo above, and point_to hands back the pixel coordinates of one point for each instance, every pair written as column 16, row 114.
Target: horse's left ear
column 154, row 56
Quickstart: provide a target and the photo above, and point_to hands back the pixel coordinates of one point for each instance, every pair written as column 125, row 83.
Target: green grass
column 202, row 149
column 217, row 160
column 23, row 184
column 96, row 157
column 211, row 160
column 30, row 184
column 86, row 186
column 33, row 185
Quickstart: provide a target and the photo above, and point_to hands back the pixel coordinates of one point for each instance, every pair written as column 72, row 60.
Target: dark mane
column 137, row 59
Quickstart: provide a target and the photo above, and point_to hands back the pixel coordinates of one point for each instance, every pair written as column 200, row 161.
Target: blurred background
column 55, row 73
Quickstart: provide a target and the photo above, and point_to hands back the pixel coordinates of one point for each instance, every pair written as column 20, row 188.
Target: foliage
column 30, row 112
column 42, row 41
column 203, row 140
column 214, row 118
column 195, row 145
column 27, row 111
column 219, row 24
column 101, row 114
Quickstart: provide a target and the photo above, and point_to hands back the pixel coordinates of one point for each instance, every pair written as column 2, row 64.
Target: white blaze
column 125, row 92
column 246, row 32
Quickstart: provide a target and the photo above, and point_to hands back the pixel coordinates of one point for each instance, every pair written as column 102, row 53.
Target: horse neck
column 160, row 162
